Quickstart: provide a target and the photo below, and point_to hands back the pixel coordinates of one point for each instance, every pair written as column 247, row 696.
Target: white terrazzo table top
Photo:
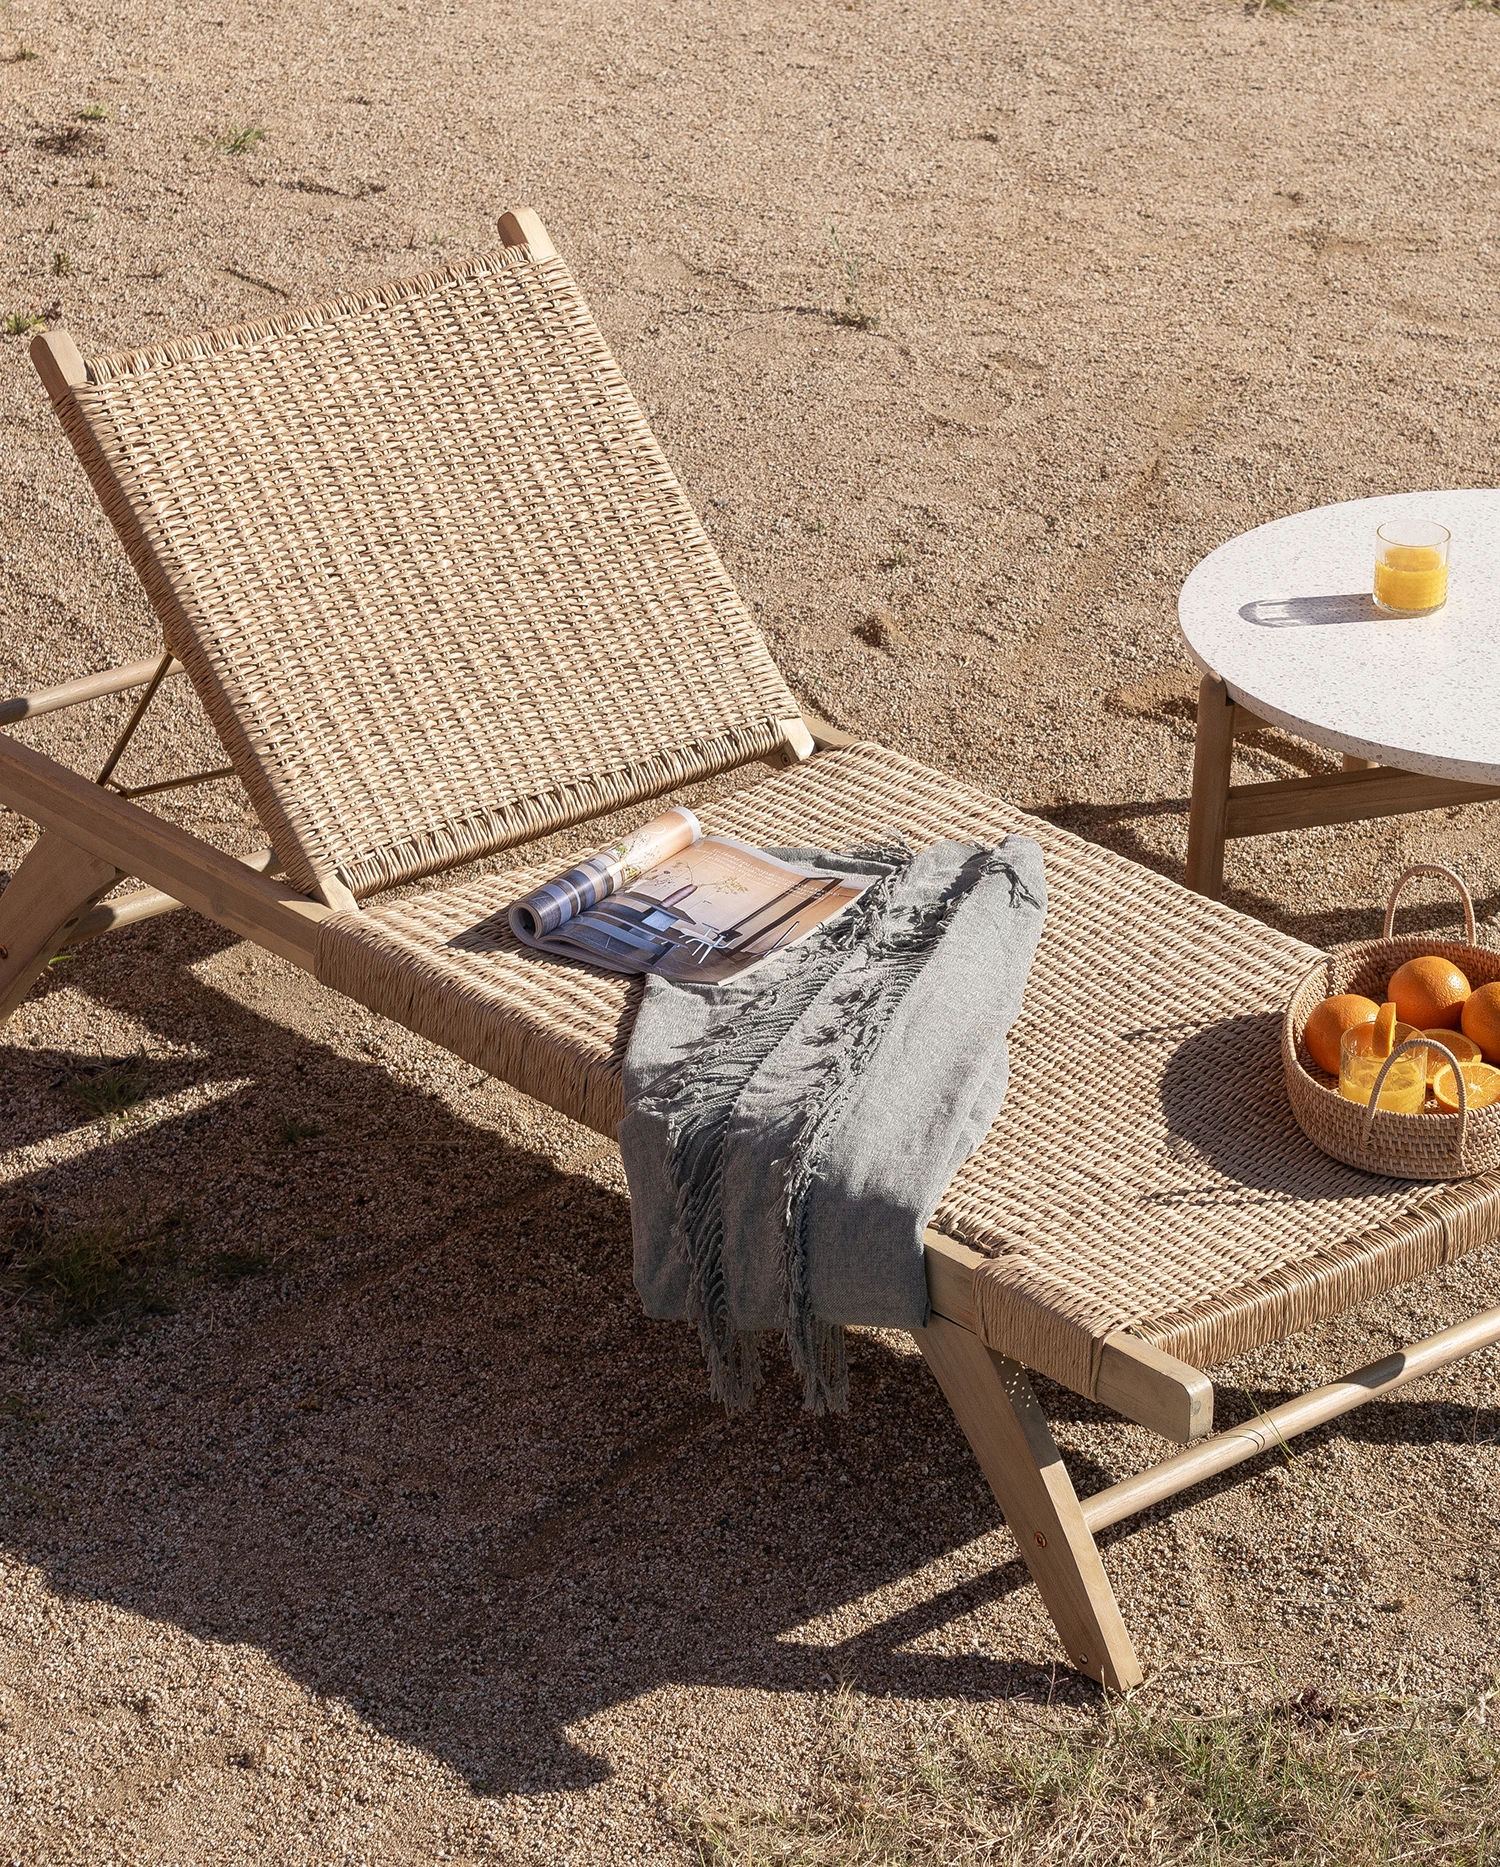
column 1283, row 615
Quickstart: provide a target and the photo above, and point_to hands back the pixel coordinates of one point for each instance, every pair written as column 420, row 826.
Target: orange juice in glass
column 1411, row 567
column 1405, row 1086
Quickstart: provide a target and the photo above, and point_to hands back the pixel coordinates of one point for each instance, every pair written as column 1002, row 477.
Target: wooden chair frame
column 92, row 836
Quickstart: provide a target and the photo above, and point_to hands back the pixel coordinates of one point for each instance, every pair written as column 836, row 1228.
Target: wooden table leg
column 993, row 1402
column 1213, row 754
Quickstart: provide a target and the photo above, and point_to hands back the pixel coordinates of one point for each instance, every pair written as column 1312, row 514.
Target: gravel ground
column 372, row 1523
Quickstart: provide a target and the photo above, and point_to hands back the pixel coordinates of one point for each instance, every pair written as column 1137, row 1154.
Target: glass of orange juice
column 1411, row 567
column 1405, row 1086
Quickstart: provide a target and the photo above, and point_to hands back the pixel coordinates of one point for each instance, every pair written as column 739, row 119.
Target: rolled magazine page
column 707, row 913
column 604, row 873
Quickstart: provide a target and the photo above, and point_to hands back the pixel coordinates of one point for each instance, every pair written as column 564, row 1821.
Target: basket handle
column 1420, row 1043
column 1432, row 868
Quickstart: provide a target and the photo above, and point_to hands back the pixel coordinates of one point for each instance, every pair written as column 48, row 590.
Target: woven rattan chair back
column 427, row 567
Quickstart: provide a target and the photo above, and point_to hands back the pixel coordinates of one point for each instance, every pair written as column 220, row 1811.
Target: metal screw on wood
column 1041, row 1541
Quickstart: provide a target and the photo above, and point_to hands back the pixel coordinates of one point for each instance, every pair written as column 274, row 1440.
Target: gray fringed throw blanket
column 789, row 1132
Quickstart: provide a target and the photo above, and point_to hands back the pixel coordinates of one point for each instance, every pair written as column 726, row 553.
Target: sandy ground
column 401, row 1537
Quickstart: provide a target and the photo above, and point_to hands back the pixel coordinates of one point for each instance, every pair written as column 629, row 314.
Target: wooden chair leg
column 1212, row 756
column 1002, row 1420
column 56, row 883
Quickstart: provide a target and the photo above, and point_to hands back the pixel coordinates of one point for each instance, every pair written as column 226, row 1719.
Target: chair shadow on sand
column 453, row 1477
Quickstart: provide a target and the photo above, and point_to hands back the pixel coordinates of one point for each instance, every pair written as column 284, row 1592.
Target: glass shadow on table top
column 1308, row 612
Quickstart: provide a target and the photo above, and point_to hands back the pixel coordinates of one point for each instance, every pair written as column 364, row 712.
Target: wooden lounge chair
column 440, row 594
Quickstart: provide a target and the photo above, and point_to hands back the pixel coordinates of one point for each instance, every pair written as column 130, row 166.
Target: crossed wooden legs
column 993, row 1402
column 55, row 885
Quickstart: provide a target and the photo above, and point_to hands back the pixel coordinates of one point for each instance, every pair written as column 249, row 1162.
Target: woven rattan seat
column 440, row 594
column 1143, row 1173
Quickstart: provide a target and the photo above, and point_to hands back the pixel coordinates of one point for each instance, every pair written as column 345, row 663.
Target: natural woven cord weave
column 1145, row 1171
column 428, row 569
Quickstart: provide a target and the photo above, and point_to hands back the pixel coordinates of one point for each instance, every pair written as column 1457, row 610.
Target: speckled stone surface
column 1284, row 615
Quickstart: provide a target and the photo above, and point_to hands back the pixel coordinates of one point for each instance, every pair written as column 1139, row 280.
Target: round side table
column 1282, row 623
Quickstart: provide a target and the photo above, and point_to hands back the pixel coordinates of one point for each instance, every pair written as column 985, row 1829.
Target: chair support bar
column 123, row 911
column 1289, row 1419
column 172, row 784
column 86, row 687
column 117, row 750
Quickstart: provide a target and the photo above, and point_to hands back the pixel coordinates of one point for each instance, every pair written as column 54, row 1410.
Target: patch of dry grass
column 853, row 312
column 1354, row 1784
column 238, row 139
column 64, row 1274
column 111, row 1089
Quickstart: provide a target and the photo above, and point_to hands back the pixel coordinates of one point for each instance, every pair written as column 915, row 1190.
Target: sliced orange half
column 1464, row 1048
column 1482, row 1080
column 1383, row 1039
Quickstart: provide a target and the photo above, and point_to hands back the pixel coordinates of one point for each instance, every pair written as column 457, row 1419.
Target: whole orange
column 1325, row 1029
column 1482, row 1020
column 1429, row 993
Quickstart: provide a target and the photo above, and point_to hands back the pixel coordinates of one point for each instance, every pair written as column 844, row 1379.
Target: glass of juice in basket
column 1404, row 1089
column 1411, row 567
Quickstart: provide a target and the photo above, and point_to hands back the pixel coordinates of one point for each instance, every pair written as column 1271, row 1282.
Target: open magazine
column 670, row 900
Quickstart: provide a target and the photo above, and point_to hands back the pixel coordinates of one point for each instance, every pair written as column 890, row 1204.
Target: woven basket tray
column 1410, row 1147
